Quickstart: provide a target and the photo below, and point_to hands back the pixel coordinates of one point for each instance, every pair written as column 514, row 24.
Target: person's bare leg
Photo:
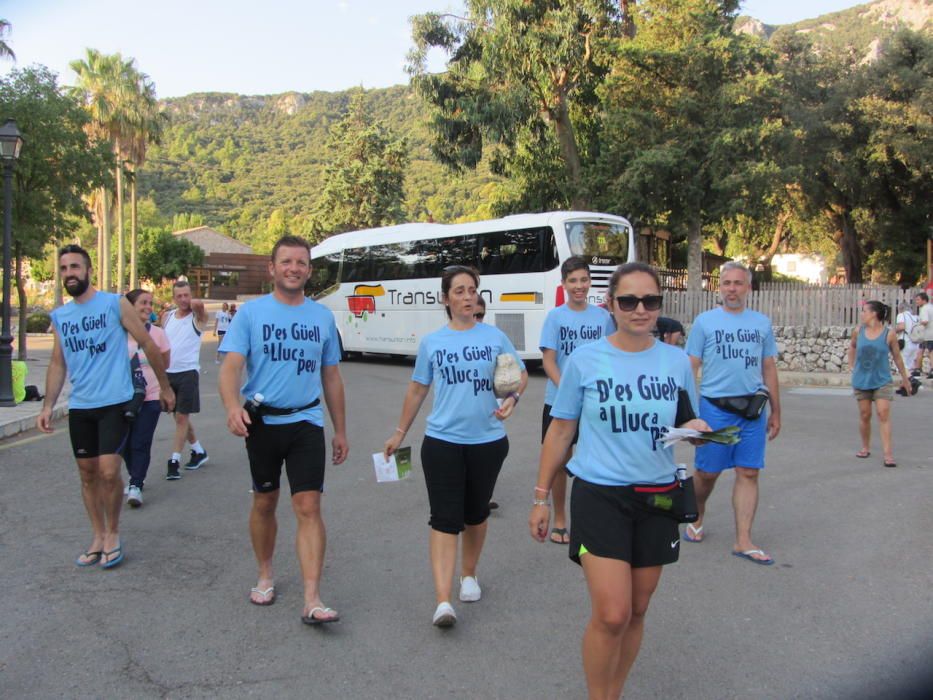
column 93, row 504
column 610, row 586
column 110, row 490
column 263, row 528
column 443, row 550
column 883, row 409
column 473, row 538
column 745, row 503
column 703, row 485
column 311, row 542
column 182, row 425
column 644, row 583
column 190, row 436
column 864, row 424
column 559, row 499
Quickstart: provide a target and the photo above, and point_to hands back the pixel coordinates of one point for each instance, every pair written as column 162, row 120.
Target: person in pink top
column 138, row 444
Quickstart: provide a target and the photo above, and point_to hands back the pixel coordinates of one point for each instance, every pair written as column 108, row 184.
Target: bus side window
column 357, row 265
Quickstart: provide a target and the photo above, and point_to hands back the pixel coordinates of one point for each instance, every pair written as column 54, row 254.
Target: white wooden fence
column 794, row 305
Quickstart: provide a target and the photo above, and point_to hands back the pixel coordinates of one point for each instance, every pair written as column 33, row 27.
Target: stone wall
column 807, row 349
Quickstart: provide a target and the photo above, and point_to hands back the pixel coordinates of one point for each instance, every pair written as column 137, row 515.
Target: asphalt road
column 847, row 611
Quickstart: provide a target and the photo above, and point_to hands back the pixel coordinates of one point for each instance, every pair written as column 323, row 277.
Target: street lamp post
column 11, row 141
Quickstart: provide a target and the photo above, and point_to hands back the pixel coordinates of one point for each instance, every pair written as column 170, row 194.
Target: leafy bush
column 38, row 322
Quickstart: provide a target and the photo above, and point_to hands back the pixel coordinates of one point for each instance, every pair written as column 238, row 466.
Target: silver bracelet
column 542, row 502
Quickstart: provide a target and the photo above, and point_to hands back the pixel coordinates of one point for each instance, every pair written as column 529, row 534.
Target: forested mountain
column 238, row 160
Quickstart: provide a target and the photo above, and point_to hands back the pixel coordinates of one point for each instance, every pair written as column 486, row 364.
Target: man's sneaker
column 469, row 589
column 197, row 460
column 173, row 466
column 915, row 372
column 134, row 497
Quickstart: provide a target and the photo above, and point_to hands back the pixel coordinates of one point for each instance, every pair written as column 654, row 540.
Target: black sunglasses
column 629, row 302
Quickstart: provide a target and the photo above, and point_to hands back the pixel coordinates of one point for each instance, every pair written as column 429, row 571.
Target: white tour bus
column 384, row 285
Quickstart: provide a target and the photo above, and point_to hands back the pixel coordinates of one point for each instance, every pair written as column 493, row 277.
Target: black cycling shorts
column 186, row 386
column 97, row 431
column 546, row 419
column 606, row 521
column 460, row 481
column 300, row 445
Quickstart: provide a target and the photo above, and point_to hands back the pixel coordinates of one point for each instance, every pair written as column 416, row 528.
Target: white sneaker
column 469, row 589
column 444, row 616
column 134, row 496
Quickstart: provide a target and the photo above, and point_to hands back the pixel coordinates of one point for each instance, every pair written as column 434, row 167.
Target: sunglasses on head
column 629, row 302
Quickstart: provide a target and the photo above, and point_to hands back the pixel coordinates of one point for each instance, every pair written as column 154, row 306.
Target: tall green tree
column 692, row 122
column 364, row 180
column 58, row 165
column 519, row 86
column 164, row 256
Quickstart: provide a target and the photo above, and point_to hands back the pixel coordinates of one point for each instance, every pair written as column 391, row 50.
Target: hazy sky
column 250, row 47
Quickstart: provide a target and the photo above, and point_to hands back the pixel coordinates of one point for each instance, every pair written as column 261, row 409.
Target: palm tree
column 147, row 122
column 5, row 50
column 106, row 85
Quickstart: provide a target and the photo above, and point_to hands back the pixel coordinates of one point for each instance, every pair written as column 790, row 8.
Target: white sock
column 176, row 456
column 196, row 446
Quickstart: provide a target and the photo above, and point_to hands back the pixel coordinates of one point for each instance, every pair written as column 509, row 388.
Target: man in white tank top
column 183, row 326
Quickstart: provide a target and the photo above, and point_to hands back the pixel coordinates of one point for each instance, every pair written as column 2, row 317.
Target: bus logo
column 363, row 299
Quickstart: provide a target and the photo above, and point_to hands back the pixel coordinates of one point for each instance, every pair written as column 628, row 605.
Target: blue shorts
column 748, row 452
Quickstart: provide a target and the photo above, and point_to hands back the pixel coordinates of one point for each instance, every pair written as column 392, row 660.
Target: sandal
column 889, row 463
column 268, row 595
column 693, row 533
column 111, row 563
column 863, row 454
column 310, row 619
column 561, row 532
column 91, row 558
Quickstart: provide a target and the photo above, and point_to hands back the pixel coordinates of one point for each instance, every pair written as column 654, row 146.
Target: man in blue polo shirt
column 735, row 347
column 290, row 349
column 90, row 347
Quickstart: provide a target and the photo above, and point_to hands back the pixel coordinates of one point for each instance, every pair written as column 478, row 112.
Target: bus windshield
column 597, row 242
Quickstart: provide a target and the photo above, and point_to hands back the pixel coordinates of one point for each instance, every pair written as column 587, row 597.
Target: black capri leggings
column 460, row 481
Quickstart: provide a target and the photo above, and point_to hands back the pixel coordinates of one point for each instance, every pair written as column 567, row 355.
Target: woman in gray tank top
column 869, row 350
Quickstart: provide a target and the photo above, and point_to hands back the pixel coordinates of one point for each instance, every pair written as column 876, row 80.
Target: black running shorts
column 187, row 391
column 300, row 445
column 546, row 419
column 97, row 431
column 460, row 481
column 606, row 521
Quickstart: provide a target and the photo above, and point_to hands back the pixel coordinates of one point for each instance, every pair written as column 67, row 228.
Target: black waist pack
column 257, row 412
column 748, row 407
column 676, row 500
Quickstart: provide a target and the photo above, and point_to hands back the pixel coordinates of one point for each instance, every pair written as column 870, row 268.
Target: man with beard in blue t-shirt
column 90, row 347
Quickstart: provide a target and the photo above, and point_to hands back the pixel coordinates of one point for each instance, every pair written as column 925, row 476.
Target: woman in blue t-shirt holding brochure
column 464, row 442
column 622, row 390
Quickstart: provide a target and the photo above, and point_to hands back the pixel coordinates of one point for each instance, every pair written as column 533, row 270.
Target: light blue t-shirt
column 733, row 347
column 285, row 347
column 461, row 366
column 565, row 330
column 93, row 340
column 623, row 401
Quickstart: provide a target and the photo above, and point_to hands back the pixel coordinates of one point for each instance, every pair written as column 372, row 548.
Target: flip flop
column 94, row 557
column 268, row 595
column 560, row 532
column 747, row 554
column 889, row 463
column 310, row 619
column 118, row 550
column 863, row 454
column 697, row 533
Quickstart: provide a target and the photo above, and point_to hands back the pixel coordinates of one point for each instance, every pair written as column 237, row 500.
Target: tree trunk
column 695, row 256
column 105, row 247
column 23, row 306
column 133, row 238
column 570, row 152
column 777, row 238
column 627, row 8
column 846, row 238
column 121, row 239
column 100, row 254
column 56, row 278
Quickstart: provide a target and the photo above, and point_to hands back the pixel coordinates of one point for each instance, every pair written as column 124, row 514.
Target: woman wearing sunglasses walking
column 621, row 391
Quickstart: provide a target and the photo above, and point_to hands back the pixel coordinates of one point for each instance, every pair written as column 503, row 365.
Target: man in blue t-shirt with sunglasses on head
column 735, row 347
